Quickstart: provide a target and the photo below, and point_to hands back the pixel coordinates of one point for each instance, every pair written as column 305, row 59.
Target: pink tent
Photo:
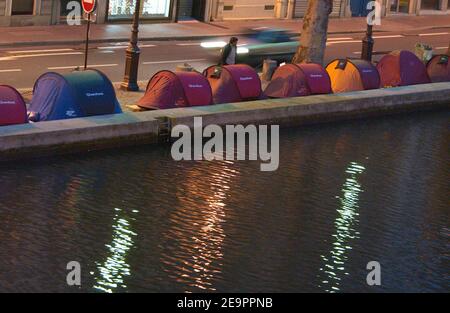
column 12, row 107
column 438, row 68
column 235, row 83
column 168, row 90
column 402, row 68
column 295, row 80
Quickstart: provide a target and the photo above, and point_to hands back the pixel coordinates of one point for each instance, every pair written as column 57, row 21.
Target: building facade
column 48, row 12
column 24, row 13
column 257, row 9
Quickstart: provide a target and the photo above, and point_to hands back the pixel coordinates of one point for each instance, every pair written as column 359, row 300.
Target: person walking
column 229, row 52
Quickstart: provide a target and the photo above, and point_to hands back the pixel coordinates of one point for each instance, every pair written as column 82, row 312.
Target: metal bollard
column 367, row 45
column 269, row 68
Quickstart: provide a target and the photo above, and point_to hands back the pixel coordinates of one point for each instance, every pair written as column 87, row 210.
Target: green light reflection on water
column 334, row 265
column 115, row 268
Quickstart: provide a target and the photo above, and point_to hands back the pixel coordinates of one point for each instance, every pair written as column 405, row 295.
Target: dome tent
column 76, row 94
column 12, row 107
column 295, row 80
column 234, row 83
column 438, row 68
column 352, row 75
column 402, row 68
column 168, row 90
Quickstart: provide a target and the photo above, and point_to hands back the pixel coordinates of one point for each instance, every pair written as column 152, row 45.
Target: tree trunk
column 314, row 34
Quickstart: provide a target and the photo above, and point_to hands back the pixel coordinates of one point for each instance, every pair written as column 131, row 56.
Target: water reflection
column 228, row 227
column 113, row 271
column 334, row 264
column 195, row 256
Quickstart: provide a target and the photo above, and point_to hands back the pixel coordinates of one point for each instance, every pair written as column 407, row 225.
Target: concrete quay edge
column 133, row 128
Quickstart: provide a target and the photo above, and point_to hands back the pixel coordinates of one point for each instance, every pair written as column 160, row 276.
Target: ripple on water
column 344, row 194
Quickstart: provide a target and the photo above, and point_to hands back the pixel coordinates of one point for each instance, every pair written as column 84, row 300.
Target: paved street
column 21, row 66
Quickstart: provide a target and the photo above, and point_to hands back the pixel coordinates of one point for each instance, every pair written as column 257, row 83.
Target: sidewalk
column 64, row 34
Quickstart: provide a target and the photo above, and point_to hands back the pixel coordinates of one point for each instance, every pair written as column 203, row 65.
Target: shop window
column 22, row 7
column 430, row 5
column 400, row 6
column 124, row 9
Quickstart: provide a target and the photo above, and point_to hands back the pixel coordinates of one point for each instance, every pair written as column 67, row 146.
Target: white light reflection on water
column 334, row 264
column 113, row 271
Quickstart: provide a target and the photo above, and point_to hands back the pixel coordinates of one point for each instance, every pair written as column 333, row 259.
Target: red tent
column 235, row 83
column 402, row 68
column 294, row 80
column 438, row 68
column 12, row 107
column 168, row 90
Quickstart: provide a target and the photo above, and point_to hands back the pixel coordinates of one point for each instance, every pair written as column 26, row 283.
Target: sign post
column 88, row 7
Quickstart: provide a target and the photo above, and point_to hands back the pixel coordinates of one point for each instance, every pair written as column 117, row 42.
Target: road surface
column 21, row 67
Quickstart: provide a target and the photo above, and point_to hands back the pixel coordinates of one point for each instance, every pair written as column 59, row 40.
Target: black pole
column 87, row 41
column 367, row 45
column 132, row 55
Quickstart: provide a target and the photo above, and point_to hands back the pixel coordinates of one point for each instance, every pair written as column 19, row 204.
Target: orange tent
column 352, row 75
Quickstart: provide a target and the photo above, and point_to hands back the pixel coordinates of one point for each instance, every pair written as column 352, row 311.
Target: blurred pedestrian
column 229, row 52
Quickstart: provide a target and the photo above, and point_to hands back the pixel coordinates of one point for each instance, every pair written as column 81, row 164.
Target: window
column 22, row 7
column 124, row 9
column 400, row 6
column 430, row 5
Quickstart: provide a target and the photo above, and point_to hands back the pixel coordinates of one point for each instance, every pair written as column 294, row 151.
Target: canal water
column 345, row 194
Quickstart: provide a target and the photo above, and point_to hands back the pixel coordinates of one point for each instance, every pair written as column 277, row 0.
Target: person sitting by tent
column 229, row 52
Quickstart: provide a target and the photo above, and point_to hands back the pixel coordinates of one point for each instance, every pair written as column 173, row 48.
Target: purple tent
column 402, row 68
column 12, row 107
column 295, row 80
column 235, row 83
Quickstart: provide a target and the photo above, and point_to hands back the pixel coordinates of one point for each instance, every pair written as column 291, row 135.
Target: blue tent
column 77, row 94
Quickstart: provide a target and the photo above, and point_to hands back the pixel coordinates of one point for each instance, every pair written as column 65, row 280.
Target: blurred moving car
column 260, row 44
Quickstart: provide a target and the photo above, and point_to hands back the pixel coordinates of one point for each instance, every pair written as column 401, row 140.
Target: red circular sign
column 88, row 5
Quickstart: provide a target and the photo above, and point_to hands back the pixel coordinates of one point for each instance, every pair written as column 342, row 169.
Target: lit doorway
column 191, row 10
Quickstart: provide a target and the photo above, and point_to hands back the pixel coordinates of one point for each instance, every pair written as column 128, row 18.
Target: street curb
column 172, row 38
column 130, row 128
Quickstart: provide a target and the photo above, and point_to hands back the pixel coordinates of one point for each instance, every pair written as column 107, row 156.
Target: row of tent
column 90, row 92
column 236, row 83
